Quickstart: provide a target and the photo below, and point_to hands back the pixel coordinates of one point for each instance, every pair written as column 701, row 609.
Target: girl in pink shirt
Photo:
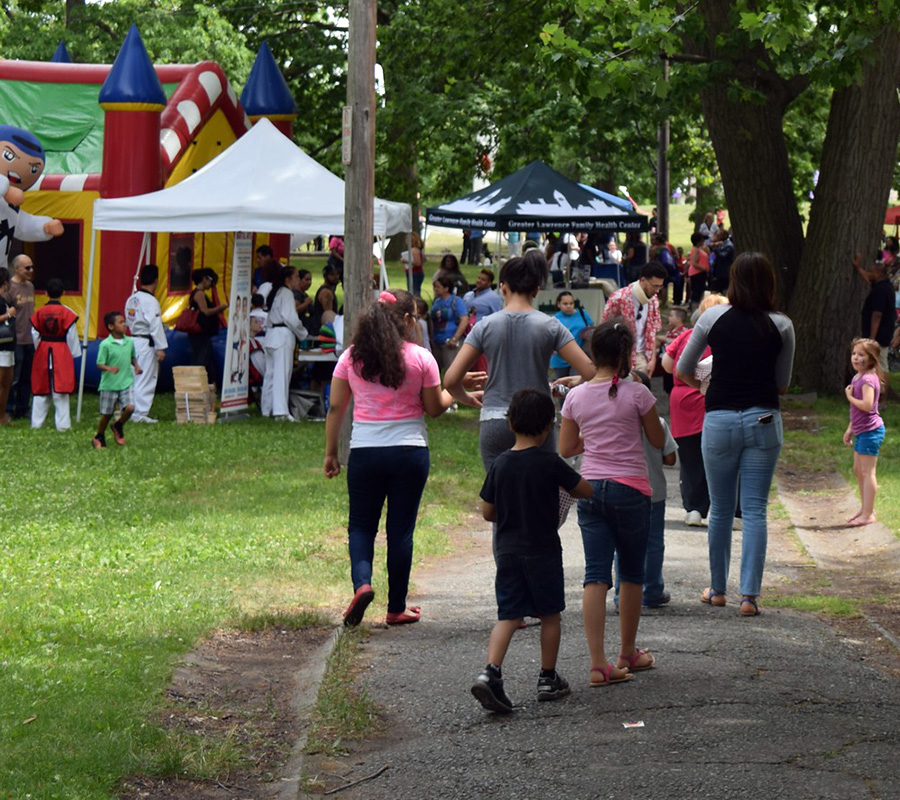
column 604, row 419
column 866, row 425
column 393, row 383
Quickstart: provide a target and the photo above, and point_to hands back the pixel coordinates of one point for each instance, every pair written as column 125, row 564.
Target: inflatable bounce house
column 129, row 129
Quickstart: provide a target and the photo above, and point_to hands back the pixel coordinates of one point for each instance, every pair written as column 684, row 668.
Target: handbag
column 7, row 333
column 189, row 321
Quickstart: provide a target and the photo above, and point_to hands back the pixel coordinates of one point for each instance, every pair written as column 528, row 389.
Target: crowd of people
column 727, row 372
column 491, row 349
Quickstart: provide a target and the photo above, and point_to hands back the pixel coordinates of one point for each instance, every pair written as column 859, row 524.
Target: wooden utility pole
column 663, row 192
column 358, row 155
column 359, row 158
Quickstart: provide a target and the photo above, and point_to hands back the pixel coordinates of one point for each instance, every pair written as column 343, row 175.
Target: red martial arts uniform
column 54, row 367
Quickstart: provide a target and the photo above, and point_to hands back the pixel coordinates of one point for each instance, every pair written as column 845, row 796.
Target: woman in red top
column 698, row 269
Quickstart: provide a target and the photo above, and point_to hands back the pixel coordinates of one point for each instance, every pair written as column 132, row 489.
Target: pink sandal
column 608, row 680
column 632, row 661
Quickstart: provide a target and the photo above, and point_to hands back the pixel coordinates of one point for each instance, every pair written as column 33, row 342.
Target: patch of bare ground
column 231, row 711
column 815, row 553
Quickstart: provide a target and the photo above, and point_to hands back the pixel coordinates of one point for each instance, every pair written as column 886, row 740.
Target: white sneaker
column 285, row 418
column 148, row 420
column 694, row 519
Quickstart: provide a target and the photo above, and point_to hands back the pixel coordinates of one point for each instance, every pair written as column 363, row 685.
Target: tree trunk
column 846, row 217
column 750, row 149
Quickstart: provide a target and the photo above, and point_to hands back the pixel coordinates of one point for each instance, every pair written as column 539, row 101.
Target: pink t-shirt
column 373, row 402
column 861, row 421
column 687, row 405
column 612, row 431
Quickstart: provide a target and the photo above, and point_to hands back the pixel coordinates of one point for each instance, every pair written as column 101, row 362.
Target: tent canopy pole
column 87, row 324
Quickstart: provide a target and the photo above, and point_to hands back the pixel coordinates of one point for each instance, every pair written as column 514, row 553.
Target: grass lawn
column 113, row 563
column 822, row 449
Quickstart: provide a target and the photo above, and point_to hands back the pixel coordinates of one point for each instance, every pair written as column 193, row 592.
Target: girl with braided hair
column 393, row 383
column 604, row 419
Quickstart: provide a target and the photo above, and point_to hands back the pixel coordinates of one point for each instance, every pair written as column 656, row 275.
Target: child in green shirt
column 115, row 358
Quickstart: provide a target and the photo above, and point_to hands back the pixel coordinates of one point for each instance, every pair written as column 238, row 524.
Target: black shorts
column 529, row 585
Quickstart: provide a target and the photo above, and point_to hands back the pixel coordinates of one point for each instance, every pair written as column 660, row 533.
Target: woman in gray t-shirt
column 518, row 342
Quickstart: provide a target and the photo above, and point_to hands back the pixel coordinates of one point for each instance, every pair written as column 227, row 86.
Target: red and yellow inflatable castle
column 128, row 129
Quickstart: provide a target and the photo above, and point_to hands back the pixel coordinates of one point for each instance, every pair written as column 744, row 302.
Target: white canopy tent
column 263, row 182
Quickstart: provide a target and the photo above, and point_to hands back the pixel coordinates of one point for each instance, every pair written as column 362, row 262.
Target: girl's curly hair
column 381, row 330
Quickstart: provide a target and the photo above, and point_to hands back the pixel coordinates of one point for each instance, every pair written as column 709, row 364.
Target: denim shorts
column 615, row 520
column 869, row 443
column 529, row 585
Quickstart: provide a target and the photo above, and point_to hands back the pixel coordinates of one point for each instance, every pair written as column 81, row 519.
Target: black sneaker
column 488, row 690
column 552, row 687
column 660, row 601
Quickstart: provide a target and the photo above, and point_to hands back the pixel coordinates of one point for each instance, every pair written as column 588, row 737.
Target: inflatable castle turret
column 127, row 129
column 267, row 95
column 132, row 99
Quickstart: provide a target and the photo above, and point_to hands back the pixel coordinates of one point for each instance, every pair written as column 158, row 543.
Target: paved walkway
column 775, row 706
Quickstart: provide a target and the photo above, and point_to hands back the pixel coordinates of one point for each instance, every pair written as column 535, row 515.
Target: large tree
column 752, row 64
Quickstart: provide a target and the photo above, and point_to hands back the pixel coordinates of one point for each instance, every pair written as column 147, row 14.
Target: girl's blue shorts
column 869, row 443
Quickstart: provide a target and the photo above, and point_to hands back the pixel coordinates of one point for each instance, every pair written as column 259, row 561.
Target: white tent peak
column 262, row 182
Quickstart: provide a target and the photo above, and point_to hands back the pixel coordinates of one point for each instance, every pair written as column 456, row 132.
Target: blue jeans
column 654, row 585
column 376, row 474
column 737, row 445
column 615, row 521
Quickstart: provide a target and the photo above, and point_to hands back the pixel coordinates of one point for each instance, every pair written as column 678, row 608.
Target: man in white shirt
column 144, row 318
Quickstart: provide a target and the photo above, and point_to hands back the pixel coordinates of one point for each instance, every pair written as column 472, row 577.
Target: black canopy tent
column 536, row 198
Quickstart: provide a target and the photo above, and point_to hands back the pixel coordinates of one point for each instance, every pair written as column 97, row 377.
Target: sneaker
column 662, row 600
column 488, row 690
column 285, row 418
column 552, row 687
column 694, row 519
column 147, row 420
column 118, row 433
column 98, row 442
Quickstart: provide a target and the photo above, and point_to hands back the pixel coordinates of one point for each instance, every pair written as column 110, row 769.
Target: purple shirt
column 861, row 421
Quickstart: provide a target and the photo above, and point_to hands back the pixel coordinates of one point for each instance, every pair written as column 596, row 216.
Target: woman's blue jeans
column 740, row 444
column 376, row 474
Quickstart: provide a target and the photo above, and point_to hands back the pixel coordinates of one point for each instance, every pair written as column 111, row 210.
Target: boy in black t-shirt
column 521, row 494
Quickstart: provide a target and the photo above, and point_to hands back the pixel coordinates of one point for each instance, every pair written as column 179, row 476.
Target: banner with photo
column 236, row 380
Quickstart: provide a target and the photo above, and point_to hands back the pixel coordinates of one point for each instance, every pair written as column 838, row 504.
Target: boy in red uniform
column 56, row 347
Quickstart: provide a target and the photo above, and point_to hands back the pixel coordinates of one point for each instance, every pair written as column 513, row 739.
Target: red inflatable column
column 132, row 98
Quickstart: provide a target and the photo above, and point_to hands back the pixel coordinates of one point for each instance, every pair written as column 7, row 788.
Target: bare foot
column 854, row 516
column 860, row 521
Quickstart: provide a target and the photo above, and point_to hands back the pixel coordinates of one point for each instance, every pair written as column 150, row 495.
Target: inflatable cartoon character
column 21, row 164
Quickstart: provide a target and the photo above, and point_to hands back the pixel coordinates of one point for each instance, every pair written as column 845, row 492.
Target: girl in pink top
column 393, row 383
column 866, row 425
column 604, row 419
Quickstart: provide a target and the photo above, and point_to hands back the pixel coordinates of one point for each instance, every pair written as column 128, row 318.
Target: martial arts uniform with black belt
column 283, row 330
column 144, row 318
